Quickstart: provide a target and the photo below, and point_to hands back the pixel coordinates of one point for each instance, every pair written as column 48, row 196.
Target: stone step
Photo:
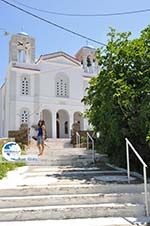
column 58, row 143
column 78, row 199
column 99, row 221
column 60, row 169
column 66, row 152
column 62, row 189
column 73, row 173
column 61, row 155
column 58, row 140
column 62, row 162
column 72, row 211
column 50, row 175
column 94, row 176
column 65, row 157
column 89, row 172
column 74, row 161
column 71, row 156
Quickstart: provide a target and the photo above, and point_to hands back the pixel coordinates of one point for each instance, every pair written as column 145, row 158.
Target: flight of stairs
column 64, row 184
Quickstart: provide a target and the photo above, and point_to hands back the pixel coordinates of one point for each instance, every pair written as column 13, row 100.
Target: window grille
column 25, row 86
column 24, row 116
column 62, row 86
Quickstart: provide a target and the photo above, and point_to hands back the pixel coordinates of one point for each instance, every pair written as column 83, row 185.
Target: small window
column 24, row 116
column 21, row 56
column 89, row 61
column 25, row 85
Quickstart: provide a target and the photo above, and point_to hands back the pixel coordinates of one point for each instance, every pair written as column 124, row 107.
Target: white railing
column 78, row 139
column 89, row 137
column 128, row 143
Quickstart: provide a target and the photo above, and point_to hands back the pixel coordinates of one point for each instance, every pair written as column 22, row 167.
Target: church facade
column 50, row 88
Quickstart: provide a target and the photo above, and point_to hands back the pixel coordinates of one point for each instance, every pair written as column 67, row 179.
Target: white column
column 85, row 124
column 71, row 121
column 54, row 124
column 18, row 120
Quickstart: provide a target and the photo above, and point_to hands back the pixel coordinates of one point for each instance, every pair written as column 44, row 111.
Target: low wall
column 21, row 136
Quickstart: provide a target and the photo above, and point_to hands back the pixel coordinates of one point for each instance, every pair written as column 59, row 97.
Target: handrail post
column 128, row 162
column 89, row 137
column 87, row 142
column 145, row 189
column 78, row 139
column 93, row 151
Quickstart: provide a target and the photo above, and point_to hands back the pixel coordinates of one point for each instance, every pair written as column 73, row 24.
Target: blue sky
column 51, row 39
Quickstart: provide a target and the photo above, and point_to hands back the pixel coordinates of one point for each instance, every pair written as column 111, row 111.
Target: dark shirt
column 40, row 132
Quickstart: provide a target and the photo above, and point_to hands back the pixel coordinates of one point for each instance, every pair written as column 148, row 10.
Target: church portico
column 59, row 122
column 62, row 124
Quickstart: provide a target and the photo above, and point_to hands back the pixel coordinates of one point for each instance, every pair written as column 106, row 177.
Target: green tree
column 118, row 98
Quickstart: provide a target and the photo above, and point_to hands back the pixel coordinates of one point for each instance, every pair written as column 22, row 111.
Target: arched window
column 25, row 85
column 21, row 56
column 66, row 127
column 24, row 116
column 89, row 64
column 62, row 86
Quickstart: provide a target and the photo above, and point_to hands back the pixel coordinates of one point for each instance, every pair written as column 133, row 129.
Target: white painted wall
column 1, row 110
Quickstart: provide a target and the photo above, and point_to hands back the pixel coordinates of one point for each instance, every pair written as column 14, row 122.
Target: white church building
column 50, row 88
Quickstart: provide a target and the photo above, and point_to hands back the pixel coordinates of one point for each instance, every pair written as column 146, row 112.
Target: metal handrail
column 89, row 137
column 128, row 143
column 78, row 139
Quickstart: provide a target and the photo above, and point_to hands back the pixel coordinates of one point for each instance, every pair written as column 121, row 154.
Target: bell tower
column 22, row 48
column 86, row 55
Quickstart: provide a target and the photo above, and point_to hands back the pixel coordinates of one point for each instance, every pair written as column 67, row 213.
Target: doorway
column 57, row 129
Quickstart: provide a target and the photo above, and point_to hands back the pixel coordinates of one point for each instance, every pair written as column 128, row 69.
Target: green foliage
column 1, row 145
column 7, row 166
column 83, row 139
column 118, row 98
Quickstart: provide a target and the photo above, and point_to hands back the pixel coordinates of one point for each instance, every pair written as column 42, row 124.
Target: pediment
column 60, row 58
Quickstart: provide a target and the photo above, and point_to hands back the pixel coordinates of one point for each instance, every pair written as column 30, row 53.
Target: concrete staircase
column 59, row 152
column 71, row 191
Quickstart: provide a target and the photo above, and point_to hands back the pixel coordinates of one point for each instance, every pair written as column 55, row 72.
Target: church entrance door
column 62, row 124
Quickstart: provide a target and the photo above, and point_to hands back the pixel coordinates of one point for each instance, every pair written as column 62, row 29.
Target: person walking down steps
column 41, row 136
